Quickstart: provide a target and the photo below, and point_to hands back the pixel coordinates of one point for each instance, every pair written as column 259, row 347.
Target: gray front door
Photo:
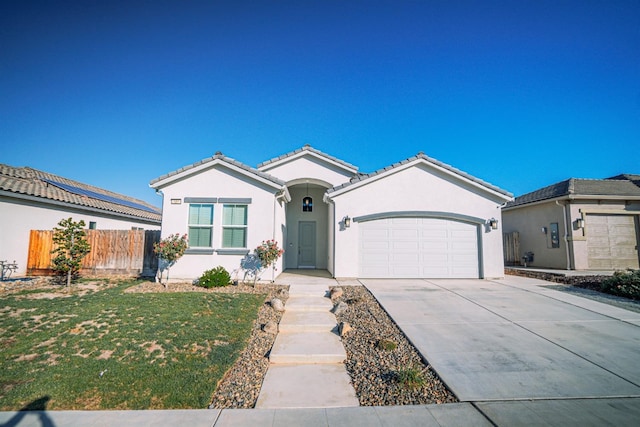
column 307, row 244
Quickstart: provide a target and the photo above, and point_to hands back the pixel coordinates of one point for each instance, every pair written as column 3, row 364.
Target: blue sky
column 519, row 93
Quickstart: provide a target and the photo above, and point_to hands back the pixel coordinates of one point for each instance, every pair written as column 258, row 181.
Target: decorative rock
column 336, row 293
column 270, row 327
column 344, row 328
column 340, row 308
column 277, row 304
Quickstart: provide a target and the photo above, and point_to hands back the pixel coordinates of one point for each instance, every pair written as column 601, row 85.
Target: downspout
column 566, row 233
column 279, row 195
column 332, row 224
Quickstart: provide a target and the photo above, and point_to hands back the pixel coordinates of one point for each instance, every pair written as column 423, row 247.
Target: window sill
column 199, row 251
column 232, row 251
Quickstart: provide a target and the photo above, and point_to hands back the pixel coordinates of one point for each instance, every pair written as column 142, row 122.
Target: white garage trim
column 410, row 246
column 421, row 214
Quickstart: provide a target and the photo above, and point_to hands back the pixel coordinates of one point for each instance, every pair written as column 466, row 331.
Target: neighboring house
column 35, row 200
column 579, row 224
column 416, row 218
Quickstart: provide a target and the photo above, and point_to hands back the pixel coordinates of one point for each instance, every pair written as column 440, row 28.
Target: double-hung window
column 234, row 226
column 200, row 225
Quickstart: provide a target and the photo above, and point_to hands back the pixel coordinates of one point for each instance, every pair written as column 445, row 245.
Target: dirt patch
column 105, row 355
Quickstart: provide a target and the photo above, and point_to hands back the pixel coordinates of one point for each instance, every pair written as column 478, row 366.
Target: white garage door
column 418, row 247
column 612, row 242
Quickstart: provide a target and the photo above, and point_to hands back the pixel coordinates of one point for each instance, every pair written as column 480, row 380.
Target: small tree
column 169, row 250
column 268, row 252
column 71, row 247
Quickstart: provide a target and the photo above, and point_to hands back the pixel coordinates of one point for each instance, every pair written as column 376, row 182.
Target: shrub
column 385, row 344
column 214, row 278
column 410, row 377
column 623, row 283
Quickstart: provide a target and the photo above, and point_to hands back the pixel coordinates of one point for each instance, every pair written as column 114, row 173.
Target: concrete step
column 309, row 290
column 307, row 386
column 307, row 347
column 307, row 321
column 308, row 303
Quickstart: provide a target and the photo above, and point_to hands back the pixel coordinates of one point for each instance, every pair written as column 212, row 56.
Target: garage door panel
column 612, row 242
column 419, row 247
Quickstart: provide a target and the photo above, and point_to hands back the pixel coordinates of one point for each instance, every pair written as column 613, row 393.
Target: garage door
column 418, row 247
column 612, row 242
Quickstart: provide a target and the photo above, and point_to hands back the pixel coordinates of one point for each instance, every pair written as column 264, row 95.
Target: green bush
column 214, row 278
column 623, row 283
column 410, row 377
column 385, row 344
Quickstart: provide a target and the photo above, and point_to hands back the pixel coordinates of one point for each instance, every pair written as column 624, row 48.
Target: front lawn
column 107, row 349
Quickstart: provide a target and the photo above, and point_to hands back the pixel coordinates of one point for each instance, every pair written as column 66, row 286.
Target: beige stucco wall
column 417, row 188
column 265, row 217
column 18, row 217
column 528, row 222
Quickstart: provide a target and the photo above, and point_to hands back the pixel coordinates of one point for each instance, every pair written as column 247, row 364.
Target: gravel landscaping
column 376, row 373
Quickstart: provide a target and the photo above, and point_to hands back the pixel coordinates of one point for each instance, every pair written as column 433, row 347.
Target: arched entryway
column 306, row 236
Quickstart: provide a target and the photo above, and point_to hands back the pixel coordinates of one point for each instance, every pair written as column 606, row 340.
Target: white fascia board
column 208, row 165
column 407, row 165
column 307, row 153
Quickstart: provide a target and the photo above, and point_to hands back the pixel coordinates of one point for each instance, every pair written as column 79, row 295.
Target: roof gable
column 307, row 150
column 216, row 159
column 420, row 158
column 31, row 183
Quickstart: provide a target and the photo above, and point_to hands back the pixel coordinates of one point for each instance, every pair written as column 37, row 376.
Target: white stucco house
column 418, row 218
column 32, row 199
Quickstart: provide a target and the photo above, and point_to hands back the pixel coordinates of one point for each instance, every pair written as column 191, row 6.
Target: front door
column 307, row 244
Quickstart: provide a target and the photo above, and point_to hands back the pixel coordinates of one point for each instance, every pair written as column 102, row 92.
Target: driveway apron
column 513, row 338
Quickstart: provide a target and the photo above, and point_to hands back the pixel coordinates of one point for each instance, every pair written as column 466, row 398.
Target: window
column 555, row 235
column 92, row 225
column 200, row 225
column 234, row 226
column 307, row 204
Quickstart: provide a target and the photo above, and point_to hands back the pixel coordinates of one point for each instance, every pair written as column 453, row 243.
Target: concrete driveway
column 513, row 338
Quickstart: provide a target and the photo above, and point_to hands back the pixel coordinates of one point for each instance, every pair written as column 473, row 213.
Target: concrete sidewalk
column 561, row 413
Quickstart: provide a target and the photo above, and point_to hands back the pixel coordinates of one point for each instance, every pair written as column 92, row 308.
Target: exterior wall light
column 580, row 223
column 493, row 223
column 346, row 221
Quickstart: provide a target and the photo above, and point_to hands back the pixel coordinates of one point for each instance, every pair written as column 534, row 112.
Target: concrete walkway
column 516, row 352
column 307, row 359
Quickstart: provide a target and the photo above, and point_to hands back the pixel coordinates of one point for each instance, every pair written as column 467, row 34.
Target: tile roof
column 310, row 149
column 615, row 187
column 221, row 157
column 420, row 156
column 32, row 182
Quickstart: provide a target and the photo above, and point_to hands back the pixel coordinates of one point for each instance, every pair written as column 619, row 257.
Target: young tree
column 169, row 250
column 71, row 247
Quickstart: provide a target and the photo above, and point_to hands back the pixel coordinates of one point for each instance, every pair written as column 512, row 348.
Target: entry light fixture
column 346, row 221
column 580, row 223
column 493, row 223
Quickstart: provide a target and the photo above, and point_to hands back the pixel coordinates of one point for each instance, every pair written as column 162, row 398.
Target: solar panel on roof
column 95, row 195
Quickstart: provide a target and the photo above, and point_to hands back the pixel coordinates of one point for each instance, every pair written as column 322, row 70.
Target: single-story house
column 418, row 218
column 31, row 199
column 579, row 224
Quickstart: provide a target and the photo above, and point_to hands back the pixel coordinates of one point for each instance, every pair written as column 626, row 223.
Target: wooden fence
column 511, row 248
column 113, row 252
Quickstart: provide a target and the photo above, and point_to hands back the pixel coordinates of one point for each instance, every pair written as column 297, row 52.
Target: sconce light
column 346, row 221
column 493, row 223
column 544, row 230
column 580, row 223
